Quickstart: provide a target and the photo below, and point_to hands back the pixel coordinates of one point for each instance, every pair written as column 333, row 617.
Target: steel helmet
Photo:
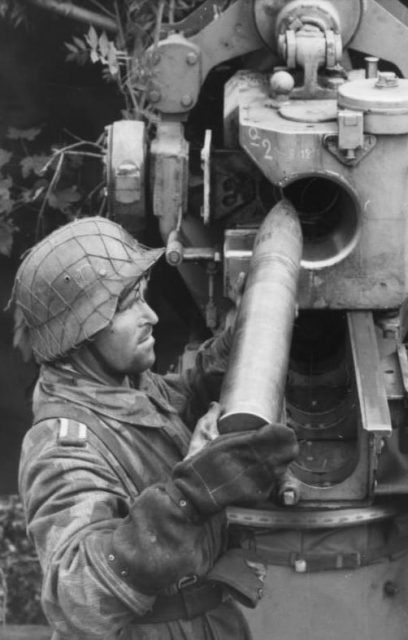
column 67, row 287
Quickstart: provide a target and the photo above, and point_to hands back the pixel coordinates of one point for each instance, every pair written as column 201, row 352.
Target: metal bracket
column 372, row 397
column 402, row 358
column 403, row 363
column 310, row 38
column 176, row 252
column 331, row 143
column 125, row 167
column 310, row 48
column 205, row 165
column 176, row 74
column 351, row 131
column 169, row 175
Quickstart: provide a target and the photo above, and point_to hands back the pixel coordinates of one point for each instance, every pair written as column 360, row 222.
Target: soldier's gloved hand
column 236, row 468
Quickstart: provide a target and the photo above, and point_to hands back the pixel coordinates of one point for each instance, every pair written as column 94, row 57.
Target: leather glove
column 236, row 468
column 242, row 577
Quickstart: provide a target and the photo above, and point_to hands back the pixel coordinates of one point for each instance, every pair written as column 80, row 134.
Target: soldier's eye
column 137, row 294
column 128, row 301
column 142, row 291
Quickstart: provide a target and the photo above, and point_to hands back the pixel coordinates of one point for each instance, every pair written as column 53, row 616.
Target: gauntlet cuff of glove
column 232, row 571
column 158, row 542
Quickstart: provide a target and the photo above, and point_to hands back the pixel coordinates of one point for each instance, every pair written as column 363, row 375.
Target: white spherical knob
column 281, row 83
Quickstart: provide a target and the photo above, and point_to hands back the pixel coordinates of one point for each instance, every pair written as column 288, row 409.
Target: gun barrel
column 253, row 386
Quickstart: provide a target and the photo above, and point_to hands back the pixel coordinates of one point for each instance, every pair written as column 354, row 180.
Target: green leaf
column 94, row 56
column 71, row 47
column 4, row 157
column 104, row 45
column 6, row 237
column 79, row 57
column 81, row 44
column 92, row 37
column 113, row 61
column 6, row 203
column 23, row 134
column 33, row 164
column 5, row 184
column 62, row 199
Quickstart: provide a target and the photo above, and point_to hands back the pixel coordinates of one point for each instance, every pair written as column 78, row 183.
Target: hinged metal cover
column 385, row 107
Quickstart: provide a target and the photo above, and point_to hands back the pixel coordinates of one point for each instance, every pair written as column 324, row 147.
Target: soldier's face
column 127, row 345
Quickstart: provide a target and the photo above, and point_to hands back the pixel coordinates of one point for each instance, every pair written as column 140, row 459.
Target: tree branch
column 70, row 10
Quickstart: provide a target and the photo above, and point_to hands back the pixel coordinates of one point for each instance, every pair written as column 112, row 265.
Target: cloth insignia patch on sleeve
column 72, row 433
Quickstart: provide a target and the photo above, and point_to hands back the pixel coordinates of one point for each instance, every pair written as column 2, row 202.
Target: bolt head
column 386, row 79
column 186, row 100
column 192, row 58
column 174, row 258
column 289, row 497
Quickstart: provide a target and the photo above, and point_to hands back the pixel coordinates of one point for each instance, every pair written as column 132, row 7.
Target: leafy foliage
column 49, row 179
column 43, row 180
column 20, row 574
column 13, row 193
column 14, row 11
column 123, row 58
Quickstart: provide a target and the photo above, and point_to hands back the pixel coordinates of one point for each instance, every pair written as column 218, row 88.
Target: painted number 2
column 256, row 140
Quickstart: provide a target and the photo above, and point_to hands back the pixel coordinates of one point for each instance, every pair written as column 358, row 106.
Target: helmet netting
column 68, row 285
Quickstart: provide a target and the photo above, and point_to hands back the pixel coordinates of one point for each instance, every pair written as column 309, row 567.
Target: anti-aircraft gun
column 304, row 186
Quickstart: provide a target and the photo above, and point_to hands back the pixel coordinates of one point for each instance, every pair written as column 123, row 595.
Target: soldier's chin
column 145, row 359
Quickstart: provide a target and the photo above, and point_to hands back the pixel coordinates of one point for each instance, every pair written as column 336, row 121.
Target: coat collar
column 140, row 402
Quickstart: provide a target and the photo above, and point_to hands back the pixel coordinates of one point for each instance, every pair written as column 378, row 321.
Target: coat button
column 111, row 557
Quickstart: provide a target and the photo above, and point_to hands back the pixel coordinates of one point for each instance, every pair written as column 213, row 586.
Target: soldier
column 124, row 504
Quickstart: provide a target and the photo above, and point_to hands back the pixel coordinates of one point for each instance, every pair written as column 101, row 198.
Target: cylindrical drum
column 254, row 384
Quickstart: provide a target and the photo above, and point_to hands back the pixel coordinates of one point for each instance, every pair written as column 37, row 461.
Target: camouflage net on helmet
column 67, row 288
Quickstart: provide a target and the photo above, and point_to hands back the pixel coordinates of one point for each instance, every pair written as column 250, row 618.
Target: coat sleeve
column 104, row 558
